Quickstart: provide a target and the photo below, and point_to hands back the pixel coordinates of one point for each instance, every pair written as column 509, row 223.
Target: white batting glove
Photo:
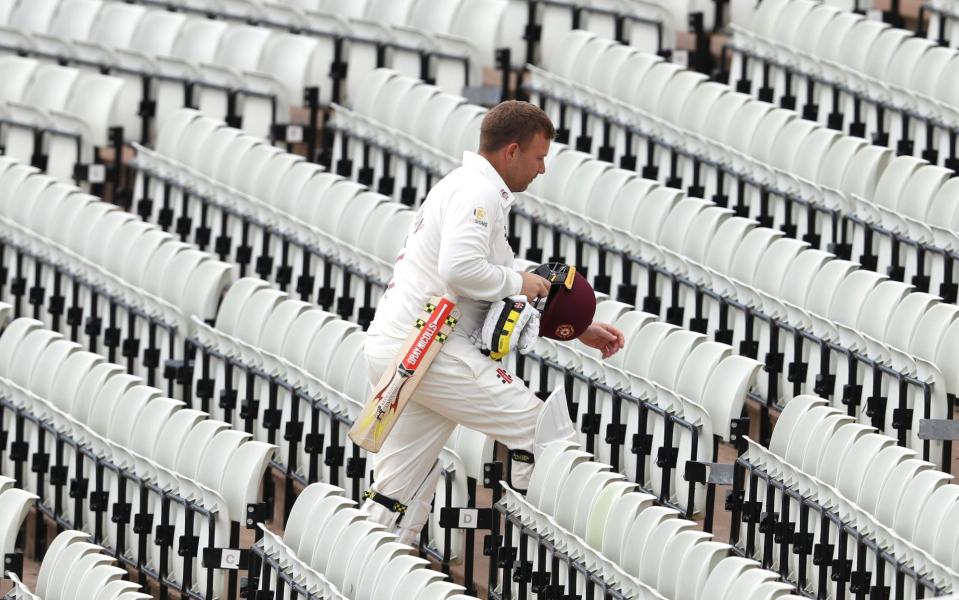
column 511, row 324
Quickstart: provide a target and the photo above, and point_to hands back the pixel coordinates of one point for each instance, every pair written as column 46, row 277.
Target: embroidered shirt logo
column 479, row 216
column 504, row 376
column 504, row 194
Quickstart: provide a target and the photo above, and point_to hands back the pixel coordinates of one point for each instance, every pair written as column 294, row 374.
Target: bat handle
column 389, row 393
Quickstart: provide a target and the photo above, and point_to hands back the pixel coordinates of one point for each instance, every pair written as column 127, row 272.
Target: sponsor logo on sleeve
column 479, row 216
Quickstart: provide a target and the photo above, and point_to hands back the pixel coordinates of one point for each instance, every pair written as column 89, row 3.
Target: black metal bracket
column 709, row 472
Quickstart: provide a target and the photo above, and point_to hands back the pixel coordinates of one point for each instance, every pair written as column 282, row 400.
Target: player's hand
column 534, row 286
column 603, row 337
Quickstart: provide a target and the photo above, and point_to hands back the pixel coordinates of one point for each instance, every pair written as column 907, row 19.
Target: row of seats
column 879, row 490
column 329, row 539
column 73, row 111
column 360, row 219
column 471, row 29
column 852, row 480
column 15, row 506
column 182, row 328
column 598, row 525
column 252, row 74
column 450, row 42
column 247, row 309
column 310, row 350
column 943, row 15
column 256, row 205
column 248, row 330
column 769, row 164
column 304, row 371
column 170, row 465
column 324, row 359
column 120, row 286
column 847, row 71
column 671, row 387
column 75, row 569
column 887, row 184
column 738, row 272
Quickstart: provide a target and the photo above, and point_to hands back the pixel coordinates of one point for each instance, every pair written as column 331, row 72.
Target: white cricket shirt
column 457, row 247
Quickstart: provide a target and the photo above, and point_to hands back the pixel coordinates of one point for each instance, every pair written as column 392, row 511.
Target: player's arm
column 464, row 247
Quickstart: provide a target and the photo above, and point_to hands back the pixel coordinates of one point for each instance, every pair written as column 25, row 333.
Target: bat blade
column 398, row 383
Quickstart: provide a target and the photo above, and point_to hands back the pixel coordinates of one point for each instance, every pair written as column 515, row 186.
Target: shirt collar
column 475, row 161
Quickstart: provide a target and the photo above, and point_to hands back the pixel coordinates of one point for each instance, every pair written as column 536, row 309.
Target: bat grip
column 389, row 393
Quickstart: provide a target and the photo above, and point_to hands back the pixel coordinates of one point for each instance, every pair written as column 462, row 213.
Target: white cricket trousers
column 462, row 386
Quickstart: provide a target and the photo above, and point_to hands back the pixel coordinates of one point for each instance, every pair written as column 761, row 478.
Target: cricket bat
column 398, row 383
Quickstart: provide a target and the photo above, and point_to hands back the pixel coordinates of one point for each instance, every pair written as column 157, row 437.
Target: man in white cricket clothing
column 457, row 247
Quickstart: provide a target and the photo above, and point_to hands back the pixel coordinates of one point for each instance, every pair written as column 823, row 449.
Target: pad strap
column 385, row 501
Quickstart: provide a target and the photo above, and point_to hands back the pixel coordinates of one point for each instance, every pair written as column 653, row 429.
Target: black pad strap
column 385, row 501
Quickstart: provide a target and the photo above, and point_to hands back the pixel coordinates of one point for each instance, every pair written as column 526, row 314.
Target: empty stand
column 118, row 430
column 75, row 568
column 714, row 281
column 785, row 241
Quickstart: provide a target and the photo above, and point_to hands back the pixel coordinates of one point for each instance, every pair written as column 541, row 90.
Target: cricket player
column 457, row 247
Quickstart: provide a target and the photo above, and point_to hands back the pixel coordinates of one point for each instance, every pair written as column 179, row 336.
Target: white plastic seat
column 929, row 521
column 199, row 39
column 836, row 450
column 15, row 504
column 116, row 25
column 393, row 574
column 581, row 476
column 824, row 285
column 75, row 19
column 879, row 471
column 176, row 427
column 627, row 507
column 701, row 560
column 910, row 507
column 97, row 102
column 241, row 47
column 372, row 568
column 16, row 73
column 90, row 389
column 653, row 563
column 157, row 31
column 722, row 578
column 851, row 294
column 33, row 17
column 432, row 118
column 434, row 16
column 861, row 454
column 637, row 536
column 488, row 24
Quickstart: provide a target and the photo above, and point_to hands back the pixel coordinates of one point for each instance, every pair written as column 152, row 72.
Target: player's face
column 525, row 164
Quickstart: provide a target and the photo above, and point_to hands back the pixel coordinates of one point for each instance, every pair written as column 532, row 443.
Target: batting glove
column 511, row 324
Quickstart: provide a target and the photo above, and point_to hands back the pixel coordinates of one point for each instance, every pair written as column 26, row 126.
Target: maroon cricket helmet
column 570, row 305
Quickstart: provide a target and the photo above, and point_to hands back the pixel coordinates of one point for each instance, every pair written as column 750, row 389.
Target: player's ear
column 512, row 149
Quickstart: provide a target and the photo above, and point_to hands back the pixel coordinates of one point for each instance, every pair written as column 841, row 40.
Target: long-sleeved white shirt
column 457, row 247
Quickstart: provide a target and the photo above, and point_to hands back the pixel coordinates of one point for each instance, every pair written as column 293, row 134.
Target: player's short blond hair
column 513, row 121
